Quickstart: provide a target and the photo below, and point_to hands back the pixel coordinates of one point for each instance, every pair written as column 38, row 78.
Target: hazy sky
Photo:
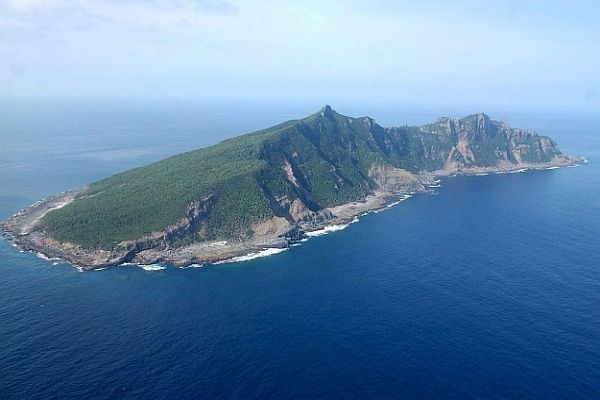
column 543, row 53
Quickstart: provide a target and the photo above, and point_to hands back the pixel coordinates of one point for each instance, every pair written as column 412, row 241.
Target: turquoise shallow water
column 488, row 289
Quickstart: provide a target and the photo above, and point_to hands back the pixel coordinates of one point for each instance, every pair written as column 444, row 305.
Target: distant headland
column 266, row 190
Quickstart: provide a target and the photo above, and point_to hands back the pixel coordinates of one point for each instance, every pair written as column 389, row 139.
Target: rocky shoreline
column 19, row 228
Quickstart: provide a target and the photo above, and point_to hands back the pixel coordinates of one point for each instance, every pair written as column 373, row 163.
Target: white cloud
column 420, row 51
column 23, row 5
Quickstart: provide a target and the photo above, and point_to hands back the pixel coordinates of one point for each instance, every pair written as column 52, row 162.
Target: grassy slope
column 131, row 204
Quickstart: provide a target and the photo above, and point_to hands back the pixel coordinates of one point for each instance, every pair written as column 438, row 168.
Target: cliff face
column 327, row 158
column 268, row 183
column 473, row 141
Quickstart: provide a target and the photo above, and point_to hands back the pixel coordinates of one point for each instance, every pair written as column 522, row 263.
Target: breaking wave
column 192, row 266
column 152, row 267
column 327, row 230
column 145, row 267
column 400, row 200
column 251, row 256
column 45, row 257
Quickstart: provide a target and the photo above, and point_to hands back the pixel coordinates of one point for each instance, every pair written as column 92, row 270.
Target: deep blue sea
column 489, row 289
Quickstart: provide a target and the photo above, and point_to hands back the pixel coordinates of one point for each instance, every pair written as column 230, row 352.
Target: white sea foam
column 152, row 267
column 435, row 186
column 251, row 256
column 482, row 174
column 192, row 266
column 400, row 200
column 145, row 267
column 45, row 257
column 394, row 203
column 326, row 230
column 553, row 167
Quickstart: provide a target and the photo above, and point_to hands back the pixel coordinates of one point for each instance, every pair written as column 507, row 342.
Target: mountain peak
column 327, row 111
column 480, row 116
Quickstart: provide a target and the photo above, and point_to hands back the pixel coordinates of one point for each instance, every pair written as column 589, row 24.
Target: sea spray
column 145, row 267
column 192, row 266
column 152, row 267
column 326, row 230
column 251, row 256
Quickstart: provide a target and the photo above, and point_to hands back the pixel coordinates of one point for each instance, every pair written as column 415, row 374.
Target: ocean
column 487, row 289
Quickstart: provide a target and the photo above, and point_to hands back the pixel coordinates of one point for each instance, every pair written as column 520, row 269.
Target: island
column 267, row 189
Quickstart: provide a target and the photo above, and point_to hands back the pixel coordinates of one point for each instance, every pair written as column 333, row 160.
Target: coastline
column 19, row 228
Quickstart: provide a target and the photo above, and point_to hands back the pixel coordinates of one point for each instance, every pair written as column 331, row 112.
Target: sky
column 544, row 53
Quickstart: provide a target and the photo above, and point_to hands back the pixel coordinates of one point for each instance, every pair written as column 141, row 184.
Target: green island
column 267, row 188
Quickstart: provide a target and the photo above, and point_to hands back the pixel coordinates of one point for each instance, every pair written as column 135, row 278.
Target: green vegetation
column 147, row 199
column 328, row 154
